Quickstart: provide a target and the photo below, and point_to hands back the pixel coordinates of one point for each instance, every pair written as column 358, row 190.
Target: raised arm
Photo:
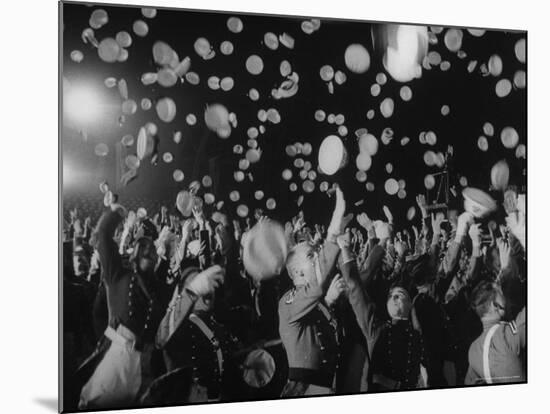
column 450, row 261
column 184, row 300
column 362, row 305
column 330, row 250
column 179, row 254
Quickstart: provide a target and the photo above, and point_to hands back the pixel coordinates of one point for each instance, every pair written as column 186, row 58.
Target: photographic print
column 257, row 207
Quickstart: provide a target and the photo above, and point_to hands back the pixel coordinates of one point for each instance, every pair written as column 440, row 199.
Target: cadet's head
column 204, row 303
column 301, row 264
column 399, row 303
column 488, row 302
column 144, row 256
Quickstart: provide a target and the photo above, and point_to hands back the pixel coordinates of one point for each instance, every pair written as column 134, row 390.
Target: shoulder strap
column 211, row 337
column 486, row 346
column 325, row 311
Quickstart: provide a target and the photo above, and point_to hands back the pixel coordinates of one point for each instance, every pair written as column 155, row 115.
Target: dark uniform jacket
column 210, row 358
column 132, row 299
column 184, row 338
column 308, row 329
column 395, row 350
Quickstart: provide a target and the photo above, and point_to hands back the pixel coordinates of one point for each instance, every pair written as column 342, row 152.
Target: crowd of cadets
column 160, row 310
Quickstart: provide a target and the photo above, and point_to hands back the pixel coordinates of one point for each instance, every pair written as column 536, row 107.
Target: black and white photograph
column 261, row 207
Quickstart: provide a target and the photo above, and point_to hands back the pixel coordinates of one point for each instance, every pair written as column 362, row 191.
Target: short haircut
column 483, row 295
column 294, row 256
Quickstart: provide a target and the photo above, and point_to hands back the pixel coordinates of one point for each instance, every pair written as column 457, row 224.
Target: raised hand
column 258, row 214
column 186, row 228
column 400, row 248
column 364, row 221
column 383, row 231
column 516, row 224
column 299, row 224
column 207, row 281
column 199, row 217
column 510, row 201
column 161, row 241
column 475, row 234
column 422, row 205
column 464, row 221
column 336, row 288
column 130, row 220
column 504, row 253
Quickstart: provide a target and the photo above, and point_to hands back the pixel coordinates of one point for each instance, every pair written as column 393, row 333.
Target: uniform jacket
column 505, row 353
column 375, row 328
column 132, row 300
column 308, row 328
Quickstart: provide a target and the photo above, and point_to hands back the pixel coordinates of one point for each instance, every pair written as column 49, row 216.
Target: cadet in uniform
column 306, row 325
column 119, row 364
column 396, row 355
column 496, row 356
column 191, row 337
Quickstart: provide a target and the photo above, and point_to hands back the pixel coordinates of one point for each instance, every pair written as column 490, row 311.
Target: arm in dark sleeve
column 474, row 269
column 362, row 305
column 372, row 242
column 426, row 223
column 373, row 262
column 204, row 236
column 433, row 253
column 111, row 262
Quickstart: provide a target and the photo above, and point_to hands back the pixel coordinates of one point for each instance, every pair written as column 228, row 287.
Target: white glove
column 207, row 281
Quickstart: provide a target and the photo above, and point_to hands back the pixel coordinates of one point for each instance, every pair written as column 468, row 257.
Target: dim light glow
column 81, row 104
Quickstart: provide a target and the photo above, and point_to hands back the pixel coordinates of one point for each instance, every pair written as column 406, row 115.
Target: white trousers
column 117, row 379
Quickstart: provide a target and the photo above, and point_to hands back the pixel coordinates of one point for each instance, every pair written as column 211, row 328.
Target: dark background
column 471, row 98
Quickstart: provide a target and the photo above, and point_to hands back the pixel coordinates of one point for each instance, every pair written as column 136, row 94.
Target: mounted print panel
column 259, row 207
